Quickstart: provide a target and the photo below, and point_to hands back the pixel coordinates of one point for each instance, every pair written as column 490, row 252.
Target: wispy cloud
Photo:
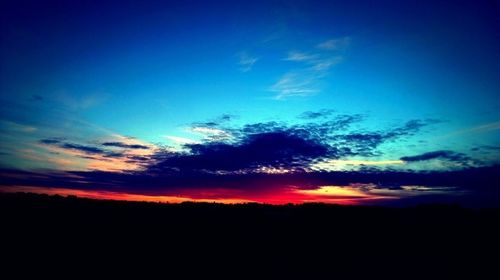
column 118, row 153
column 314, row 67
column 295, row 84
column 246, row 61
column 326, row 64
column 486, row 127
column 73, row 102
column 335, row 44
column 300, row 56
column 13, row 126
column 483, row 128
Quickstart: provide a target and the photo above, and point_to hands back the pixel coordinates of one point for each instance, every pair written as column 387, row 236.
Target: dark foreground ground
column 48, row 233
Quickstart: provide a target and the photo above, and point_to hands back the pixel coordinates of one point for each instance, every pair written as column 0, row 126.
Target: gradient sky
column 196, row 99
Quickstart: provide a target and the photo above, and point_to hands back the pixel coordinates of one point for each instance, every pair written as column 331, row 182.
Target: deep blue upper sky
column 90, row 71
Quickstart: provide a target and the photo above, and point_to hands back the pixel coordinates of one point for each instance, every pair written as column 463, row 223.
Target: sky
column 349, row 102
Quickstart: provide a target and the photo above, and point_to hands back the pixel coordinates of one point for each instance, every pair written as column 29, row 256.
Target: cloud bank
column 270, row 162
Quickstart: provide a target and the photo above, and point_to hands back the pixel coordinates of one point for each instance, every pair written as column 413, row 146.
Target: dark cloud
column 363, row 144
column 83, row 148
column 90, row 151
column 138, row 158
column 487, row 148
column 320, row 131
column 124, row 145
column 226, row 117
column 113, row 154
column 267, row 149
column 220, row 120
column 96, row 153
column 239, row 163
column 366, row 143
column 410, row 128
column 270, row 144
column 310, row 115
column 277, row 145
column 50, row 141
column 324, row 130
column 443, row 154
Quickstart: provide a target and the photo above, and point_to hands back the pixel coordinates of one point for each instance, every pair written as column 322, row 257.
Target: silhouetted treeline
column 249, row 237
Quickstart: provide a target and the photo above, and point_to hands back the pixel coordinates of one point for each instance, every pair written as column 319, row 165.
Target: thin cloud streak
column 246, row 61
column 295, row 84
column 300, row 56
column 313, row 70
column 335, row 44
column 483, row 128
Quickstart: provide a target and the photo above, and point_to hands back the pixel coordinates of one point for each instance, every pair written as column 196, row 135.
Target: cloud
column 295, row 84
column 246, row 61
column 211, row 133
column 268, row 149
column 83, row 156
column 472, row 186
column 280, row 146
column 265, row 162
column 483, row 128
column 486, row 127
column 342, row 164
column 269, row 146
column 74, row 102
column 180, row 140
column 486, row 147
column 300, row 56
column 50, row 141
column 124, row 145
column 314, row 67
column 271, row 139
column 217, row 121
column 83, row 148
column 326, row 64
column 14, row 126
column 366, row 143
column 335, row 44
column 443, row 154
column 310, row 115
column 317, row 62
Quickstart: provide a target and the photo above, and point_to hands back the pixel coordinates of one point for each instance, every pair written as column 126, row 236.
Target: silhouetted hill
column 288, row 239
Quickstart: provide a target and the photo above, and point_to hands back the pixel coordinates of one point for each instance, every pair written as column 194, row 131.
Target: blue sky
column 151, row 72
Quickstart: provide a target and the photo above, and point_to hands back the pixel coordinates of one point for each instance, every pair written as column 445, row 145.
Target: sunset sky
column 350, row 102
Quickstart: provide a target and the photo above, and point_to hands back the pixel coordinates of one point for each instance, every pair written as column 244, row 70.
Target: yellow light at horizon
column 334, row 191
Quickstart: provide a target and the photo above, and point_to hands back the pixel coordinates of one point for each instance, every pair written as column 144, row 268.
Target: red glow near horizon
column 325, row 194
